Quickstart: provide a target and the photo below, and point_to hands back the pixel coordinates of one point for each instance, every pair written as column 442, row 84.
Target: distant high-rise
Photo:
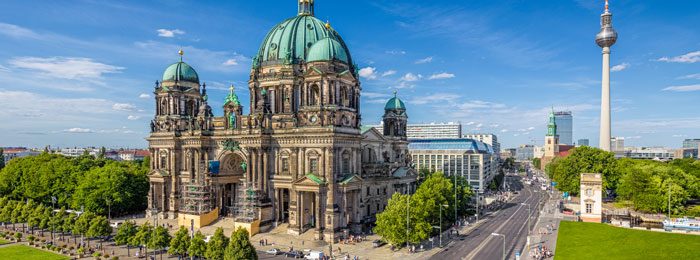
column 605, row 39
column 565, row 126
column 691, row 143
column 583, row 142
column 617, row 144
column 431, row 131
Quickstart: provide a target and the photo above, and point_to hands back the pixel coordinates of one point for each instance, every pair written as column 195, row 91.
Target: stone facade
column 591, row 197
column 300, row 149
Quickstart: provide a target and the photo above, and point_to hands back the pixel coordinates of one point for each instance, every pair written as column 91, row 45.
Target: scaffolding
column 247, row 203
column 197, row 197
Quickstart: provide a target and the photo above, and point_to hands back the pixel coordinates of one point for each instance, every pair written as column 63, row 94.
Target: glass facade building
column 469, row 158
column 565, row 126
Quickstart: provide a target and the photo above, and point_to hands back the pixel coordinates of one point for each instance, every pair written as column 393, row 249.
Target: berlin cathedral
column 299, row 159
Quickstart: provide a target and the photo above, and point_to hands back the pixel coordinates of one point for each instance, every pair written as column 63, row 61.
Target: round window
column 310, row 27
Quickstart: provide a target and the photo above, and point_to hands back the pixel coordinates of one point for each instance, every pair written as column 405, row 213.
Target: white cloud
column 169, row 33
column 691, row 76
column 368, row 72
column 230, row 62
column 531, row 128
column 17, row 31
column 131, row 117
column 470, row 123
column 77, row 130
column 504, row 131
column 65, row 67
column 388, row 73
column 443, row 75
column 374, row 95
column 691, row 57
column 620, row 67
column 123, row 107
column 205, row 59
column 479, row 125
column 686, row 88
column 396, row 52
column 424, row 60
column 144, row 96
column 409, row 77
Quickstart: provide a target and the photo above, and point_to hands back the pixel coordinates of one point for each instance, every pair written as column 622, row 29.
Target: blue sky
column 80, row 73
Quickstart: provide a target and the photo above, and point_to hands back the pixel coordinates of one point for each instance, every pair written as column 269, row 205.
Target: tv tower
column 605, row 39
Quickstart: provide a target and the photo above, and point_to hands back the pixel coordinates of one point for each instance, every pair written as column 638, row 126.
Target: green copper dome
column 327, row 49
column 290, row 41
column 180, row 71
column 394, row 104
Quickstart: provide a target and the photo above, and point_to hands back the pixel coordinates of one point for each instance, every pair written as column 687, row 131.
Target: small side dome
column 180, row 71
column 327, row 49
column 394, row 104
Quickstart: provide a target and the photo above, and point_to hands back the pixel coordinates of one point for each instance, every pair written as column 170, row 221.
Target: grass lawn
column 578, row 240
column 29, row 253
column 3, row 241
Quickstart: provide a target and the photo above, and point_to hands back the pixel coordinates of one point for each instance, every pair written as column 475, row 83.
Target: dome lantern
column 306, row 7
column 180, row 71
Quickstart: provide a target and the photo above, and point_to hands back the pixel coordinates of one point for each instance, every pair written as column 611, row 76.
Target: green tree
column 6, row 212
column 143, row 235
column 16, row 216
column 161, row 238
column 197, row 246
column 567, row 171
column 68, row 223
column 180, row 243
column 392, row 222
column 102, row 153
column 239, row 247
column 82, row 224
column 34, row 217
column 56, row 222
column 435, row 191
column 537, row 162
column 125, row 232
column 99, row 227
column 2, row 158
column 45, row 223
column 216, row 245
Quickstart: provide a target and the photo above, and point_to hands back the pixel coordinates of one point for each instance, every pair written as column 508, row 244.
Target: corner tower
column 552, row 139
column 395, row 118
column 606, row 38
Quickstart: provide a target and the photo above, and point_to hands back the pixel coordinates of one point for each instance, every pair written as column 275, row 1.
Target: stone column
column 265, row 173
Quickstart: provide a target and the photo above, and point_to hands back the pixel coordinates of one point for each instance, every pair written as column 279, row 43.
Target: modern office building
column 649, row 153
column 469, row 158
column 449, row 130
column 565, row 127
column 9, row 153
column 686, row 153
column 617, row 144
column 525, row 152
column 490, row 139
column 583, row 142
column 76, row 151
column 691, row 143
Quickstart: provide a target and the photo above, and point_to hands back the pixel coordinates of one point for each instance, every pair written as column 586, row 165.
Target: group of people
column 541, row 252
column 352, row 239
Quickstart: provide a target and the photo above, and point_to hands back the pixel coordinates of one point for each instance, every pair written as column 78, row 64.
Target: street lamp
column 442, row 205
column 109, row 208
column 504, row 243
column 53, row 207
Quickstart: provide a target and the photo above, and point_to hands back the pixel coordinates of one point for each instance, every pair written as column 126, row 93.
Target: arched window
column 314, row 95
column 346, row 163
column 344, row 97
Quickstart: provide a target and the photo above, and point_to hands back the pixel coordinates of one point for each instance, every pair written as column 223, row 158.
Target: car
column 206, row 240
column 294, row 254
column 378, row 243
column 314, row 255
column 273, row 251
column 116, row 224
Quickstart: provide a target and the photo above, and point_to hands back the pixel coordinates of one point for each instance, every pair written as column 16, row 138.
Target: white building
column 75, row 152
column 537, row 151
column 591, row 197
column 431, row 131
column 649, row 153
column 490, row 139
column 469, row 158
column 10, row 153
column 617, row 144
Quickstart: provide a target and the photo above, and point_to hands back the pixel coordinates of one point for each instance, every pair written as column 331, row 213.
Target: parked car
column 116, row 224
column 294, row 254
column 377, row 243
column 273, row 251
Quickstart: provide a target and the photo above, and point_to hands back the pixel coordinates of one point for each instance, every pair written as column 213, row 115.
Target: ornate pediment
column 310, row 180
column 231, row 145
column 158, row 173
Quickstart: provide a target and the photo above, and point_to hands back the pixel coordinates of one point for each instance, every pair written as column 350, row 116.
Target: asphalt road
column 511, row 221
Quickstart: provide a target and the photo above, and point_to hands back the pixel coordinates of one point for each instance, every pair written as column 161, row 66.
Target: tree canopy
column 239, row 246
column 78, row 182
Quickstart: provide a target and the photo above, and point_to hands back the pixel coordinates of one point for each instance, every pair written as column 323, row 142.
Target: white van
column 314, row 255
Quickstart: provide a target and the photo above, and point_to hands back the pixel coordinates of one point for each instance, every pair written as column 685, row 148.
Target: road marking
column 483, row 243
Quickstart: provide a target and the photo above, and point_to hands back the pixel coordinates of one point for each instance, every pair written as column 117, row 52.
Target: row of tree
column 34, row 216
column 96, row 185
column 412, row 217
column 644, row 184
column 182, row 244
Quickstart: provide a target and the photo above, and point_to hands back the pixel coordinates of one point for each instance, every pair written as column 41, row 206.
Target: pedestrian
column 266, row 241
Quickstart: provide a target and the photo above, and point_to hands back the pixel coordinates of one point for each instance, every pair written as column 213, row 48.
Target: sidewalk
column 544, row 235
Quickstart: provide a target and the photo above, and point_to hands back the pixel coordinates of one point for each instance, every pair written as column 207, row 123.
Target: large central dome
column 289, row 42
